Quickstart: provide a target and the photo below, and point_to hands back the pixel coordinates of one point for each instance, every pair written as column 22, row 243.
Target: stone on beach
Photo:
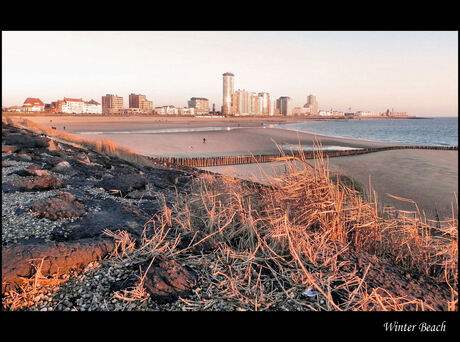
column 53, row 146
column 83, row 158
column 35, row 170
column 58, row 258
column 36, row 183
column 124, row 184
column 62, row 166
column 166, row 280
column 9, row 148
column 61, row 206
column 26, row 141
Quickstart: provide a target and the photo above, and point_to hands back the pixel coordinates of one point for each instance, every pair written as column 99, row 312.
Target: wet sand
column 185, row 138
column 429, row 177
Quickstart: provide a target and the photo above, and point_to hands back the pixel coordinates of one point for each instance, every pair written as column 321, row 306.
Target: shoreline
column 256, row 136
column 92, row 124
column 404, row 173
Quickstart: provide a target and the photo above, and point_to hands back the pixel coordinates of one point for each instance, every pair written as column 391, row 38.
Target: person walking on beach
column 204, row 140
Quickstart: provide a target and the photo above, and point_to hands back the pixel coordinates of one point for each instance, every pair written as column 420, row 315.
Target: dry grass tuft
column 104, row 146
column 297, row 234
column 32, row 290
column 288, row 245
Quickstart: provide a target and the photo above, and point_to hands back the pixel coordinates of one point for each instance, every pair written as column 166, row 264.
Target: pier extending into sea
column 266, row 158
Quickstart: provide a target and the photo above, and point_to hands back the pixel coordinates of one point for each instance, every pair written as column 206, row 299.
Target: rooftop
column 30, row 101
column 67, row 99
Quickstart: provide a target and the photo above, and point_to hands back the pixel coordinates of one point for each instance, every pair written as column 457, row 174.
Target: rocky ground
column 63, row 211
column 55, row 197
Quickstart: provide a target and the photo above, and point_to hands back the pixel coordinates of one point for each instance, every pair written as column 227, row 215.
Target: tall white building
column 284, row 104
column 265, row 103
column 243, row 102
column 312, row 104
column 227, row 93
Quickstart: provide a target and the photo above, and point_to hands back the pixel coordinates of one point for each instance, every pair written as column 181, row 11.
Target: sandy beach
column 428, row 177
column 182, row 138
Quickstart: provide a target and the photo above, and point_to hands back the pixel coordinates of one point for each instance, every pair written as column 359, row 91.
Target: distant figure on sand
column 204, row 140
column 64, row 128
column 190, row 147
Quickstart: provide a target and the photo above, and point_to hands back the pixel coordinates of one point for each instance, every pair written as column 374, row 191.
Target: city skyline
column 415, row 72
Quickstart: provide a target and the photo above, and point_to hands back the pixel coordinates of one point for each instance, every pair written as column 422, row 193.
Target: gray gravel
column 87, row 290
column 92, row 289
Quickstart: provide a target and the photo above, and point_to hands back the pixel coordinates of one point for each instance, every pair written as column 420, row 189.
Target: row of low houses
column 111, row 104
column 67, row 105
column 76, row 106
column 172, row 110
column 363, row 114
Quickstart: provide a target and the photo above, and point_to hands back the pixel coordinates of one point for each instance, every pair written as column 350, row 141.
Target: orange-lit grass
column 307, row 223
column 103, row 145
column 32, row 290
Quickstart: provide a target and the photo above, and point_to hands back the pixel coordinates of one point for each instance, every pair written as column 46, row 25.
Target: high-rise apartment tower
column 111, row 104
column 265, row 99
column 227, row 94
column 312, row 104
column 200, row 104
column 284, row 104
column 141, row 102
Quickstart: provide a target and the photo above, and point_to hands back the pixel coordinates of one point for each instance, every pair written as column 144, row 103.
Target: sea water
column 441, row 131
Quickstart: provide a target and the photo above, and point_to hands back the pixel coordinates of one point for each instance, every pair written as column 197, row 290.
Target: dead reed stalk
column 306, row 225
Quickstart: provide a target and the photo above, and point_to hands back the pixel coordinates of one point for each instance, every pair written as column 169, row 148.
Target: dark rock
column 166, row 280
column 58, row 258
column 62, row 206
column 62, row 166
column 9, row 148
column 35, row 170
column 83, row 158
column 26, row 141
column 112, row 216
column 25, row 156
column 37, row 183
column 53, row 146
column 140, row 194
column 121, row 185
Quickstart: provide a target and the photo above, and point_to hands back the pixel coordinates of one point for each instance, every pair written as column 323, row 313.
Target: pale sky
column 413, row 71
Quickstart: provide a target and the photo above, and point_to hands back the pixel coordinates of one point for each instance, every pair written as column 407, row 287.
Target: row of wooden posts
column 265, row 158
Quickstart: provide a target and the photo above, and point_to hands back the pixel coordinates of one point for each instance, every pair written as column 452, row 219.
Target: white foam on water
column 291, row 148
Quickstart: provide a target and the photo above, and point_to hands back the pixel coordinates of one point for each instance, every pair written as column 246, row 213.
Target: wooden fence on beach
column 266, row 158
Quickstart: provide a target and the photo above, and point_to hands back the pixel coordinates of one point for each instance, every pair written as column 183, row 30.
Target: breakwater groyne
column 266, row 158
